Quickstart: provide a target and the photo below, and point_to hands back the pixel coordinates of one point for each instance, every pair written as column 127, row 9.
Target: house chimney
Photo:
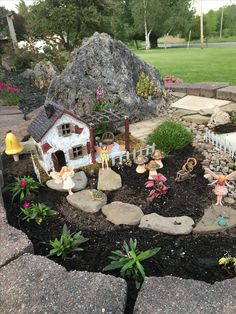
column 49, row 109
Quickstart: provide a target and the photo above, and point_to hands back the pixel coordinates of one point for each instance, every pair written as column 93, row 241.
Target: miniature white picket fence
column 221, row 142
column 36, row 170
column 132, row 155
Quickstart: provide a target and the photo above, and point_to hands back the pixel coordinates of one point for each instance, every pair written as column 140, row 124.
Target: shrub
column 37, row 212
column 67, row 244
column 129, row 261
column 170, row 136
column 22, row 187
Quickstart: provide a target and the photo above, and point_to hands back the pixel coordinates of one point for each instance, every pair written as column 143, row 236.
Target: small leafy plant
column 9, row 94
column 37, row 212
column 157, row 185
column 22, row 187
column 172, row 79
column 233, row 117
column 228, row 261
column 67, row 244
column 146, row 87
column 170, row 136
column 129, row 259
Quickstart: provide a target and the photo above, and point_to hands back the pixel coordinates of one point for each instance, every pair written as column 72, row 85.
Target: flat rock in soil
column 80, row 179
column 122, row 213
column 168, row 225
column 85, row 201
column 108, row 180
column 184, row 296
column 35, row 284
column 196, row 118
column 208, row 223
column 13, row 243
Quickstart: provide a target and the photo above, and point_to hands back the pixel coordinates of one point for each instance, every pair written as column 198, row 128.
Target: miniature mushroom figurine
column 157, row 155
column 152, row 166
column 13, row 146
column 140, row 161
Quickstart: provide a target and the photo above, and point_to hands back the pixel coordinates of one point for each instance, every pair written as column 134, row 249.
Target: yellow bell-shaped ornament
column 13, row 146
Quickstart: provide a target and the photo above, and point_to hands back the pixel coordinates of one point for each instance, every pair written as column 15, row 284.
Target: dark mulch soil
column 191, row 256
column 225, row 128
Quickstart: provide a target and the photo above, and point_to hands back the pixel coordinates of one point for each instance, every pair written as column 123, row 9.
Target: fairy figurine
column 103, row 152
column 64, row 177
column 221, row 188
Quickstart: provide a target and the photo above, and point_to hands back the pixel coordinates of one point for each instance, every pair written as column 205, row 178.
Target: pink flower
column 2, row 84
column 23, row 184
column 159, row 177
column 9, row 89
column 100, row 94
column 26, row 205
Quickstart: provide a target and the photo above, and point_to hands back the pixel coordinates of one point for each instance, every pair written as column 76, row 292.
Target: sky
column 206, row 4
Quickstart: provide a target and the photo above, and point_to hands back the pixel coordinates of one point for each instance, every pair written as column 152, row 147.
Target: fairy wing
column 55, row 175
column 211, row 173
column 98, row 149
column 231, row 176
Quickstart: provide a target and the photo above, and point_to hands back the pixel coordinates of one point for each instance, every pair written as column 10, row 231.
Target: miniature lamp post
column 157, row 155
column 13, row 146
column 140, row 161
column 152, row 166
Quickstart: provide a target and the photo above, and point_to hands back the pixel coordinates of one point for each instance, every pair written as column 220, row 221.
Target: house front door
column 59, row 160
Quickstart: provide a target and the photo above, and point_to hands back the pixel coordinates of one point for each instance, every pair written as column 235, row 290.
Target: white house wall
column 64, row 143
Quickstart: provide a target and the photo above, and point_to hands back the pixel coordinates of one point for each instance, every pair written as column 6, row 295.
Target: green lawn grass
column 214, row 64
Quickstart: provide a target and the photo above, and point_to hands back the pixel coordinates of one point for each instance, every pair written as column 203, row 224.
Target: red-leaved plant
column 172, row 79
column 157, row 185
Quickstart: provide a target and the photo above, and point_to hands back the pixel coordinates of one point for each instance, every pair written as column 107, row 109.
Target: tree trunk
column 147, row 34
column 153, row 41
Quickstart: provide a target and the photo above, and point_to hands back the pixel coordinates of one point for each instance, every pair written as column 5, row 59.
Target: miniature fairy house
column 65, row 139
column 61, row 138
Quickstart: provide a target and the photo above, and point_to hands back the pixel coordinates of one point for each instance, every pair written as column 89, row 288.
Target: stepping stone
column 85, row 200
column 79, row 178
column 177, row 87
column 122, row 213
column 196, row 118
column 108, row 180
column 183, row 112
column 168, row 225
column 195, row 103
column 208, row 223
column 227, row 108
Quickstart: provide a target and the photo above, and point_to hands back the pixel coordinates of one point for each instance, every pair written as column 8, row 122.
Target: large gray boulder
column 107, row 63
column 35, row 284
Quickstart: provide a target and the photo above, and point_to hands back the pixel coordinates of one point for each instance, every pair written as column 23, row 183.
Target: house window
column 65, row 129
column 77, row 151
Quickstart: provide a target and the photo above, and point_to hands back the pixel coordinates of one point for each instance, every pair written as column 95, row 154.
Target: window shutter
column 71, row 155
column 78, row 130
column 59, row 128
column 72, row 128
column 84, row 150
